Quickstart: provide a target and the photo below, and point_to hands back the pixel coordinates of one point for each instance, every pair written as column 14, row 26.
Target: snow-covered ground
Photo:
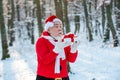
column 94, row 62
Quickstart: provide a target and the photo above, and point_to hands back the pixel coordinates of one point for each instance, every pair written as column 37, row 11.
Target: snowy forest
column 97, row 22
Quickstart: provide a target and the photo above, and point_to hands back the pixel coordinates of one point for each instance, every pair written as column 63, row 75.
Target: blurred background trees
column 21, row 20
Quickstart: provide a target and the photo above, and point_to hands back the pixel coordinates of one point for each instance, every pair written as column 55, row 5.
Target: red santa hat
column 49, row 22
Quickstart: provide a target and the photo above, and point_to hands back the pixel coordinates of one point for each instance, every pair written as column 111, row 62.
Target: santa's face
column 56, row 30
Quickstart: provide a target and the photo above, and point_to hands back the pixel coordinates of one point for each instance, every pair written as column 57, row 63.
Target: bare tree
column 11, row 31
column 77, row 17
column 3, row 34
column 110, row 24
column 39, row 16
column 66, row 20
column 17, row 9
column 90, row 37
column 59, row 9
column 103, row 18
column 29, row 20
column 77, row 23
column 90, row 14
column 118, row 17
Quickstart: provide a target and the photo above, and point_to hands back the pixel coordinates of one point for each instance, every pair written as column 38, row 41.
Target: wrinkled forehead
column 58, row 23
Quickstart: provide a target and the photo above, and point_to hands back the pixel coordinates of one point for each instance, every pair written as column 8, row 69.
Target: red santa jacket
column 46, row 58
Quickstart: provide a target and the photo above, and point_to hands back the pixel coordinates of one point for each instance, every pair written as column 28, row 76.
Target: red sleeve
column 71, row 57
column 43, row 53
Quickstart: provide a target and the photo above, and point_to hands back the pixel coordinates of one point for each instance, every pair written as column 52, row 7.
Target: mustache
column 60, row 32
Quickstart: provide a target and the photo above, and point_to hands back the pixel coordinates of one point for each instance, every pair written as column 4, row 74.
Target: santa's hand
column 74, row 46
column 60, row 46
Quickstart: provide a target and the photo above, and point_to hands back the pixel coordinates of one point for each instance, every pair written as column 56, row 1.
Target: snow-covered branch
column 102, row 2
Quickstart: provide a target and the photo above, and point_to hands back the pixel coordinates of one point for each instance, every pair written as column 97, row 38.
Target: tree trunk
column 3, row 34
column 106, row 34
column 18, row 12
column 67, row 25
column 39, row 16
column 11, row 31
column 32, row 34
column 103, row 19
column 33, row 11
column 59, row 9
column 90, row 16
column 77, row 23
column 30, row 31
column 97, row 22
column 43, row 8
column 111, row 25
column 90, row 37
column 118, row 19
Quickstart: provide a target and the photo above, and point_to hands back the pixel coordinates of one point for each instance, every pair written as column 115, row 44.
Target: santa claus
column 54, row 50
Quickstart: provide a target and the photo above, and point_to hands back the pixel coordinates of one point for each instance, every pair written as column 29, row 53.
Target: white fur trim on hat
column 51, row 24
column 48, row 25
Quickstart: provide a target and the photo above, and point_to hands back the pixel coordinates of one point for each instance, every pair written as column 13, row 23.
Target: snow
column 94, row 62
column 21, row 66
column 97, row 63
